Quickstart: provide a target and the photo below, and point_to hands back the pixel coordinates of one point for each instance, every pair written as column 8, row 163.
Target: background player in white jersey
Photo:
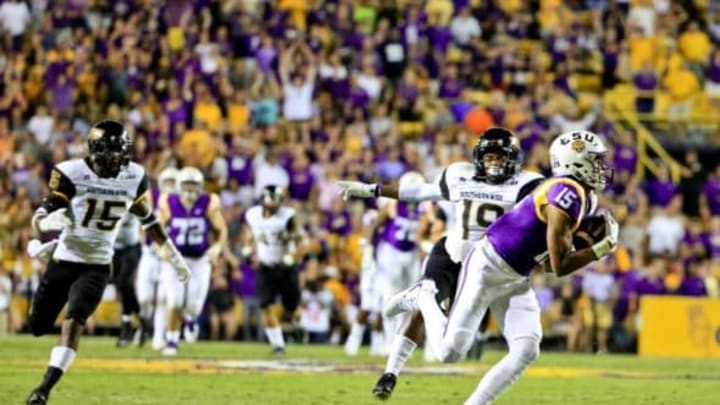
column 125, row 263
column 276, row 237
column 190, row 214
column 88, row 199
column 482, row 192
column 494, row 275
column 148, row 289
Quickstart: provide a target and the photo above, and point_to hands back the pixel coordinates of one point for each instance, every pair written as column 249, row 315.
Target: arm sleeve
column 142, row 187
column 420, row 192
column 62, row 190
column 526, row 189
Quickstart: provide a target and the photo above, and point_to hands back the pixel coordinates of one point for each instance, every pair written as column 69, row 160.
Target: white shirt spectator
column 316, row 311
column 14, row 17
column 464, row 28
column 41, row 126
column 598, row 286
column 665, row 234
column 297, row 101
column 371, row 84
column 330, row 72
column 208, row 57
column 644, row 17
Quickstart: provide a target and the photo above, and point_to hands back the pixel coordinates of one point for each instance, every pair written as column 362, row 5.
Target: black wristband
column 378, row 187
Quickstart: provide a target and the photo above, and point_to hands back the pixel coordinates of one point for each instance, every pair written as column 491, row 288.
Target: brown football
column 590, row 231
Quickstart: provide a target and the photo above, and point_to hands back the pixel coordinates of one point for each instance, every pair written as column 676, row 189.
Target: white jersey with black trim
column 270, row 233
column 96, row 209
column 130, row 233
column 478, row 204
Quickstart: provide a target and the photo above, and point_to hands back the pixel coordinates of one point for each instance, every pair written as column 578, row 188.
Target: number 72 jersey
column 95, row 205
column 478, row 204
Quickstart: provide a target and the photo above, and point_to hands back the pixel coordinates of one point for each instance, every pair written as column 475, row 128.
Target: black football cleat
column 277, row 352
column 384, row 387
column 37, row 397
column 126, row 335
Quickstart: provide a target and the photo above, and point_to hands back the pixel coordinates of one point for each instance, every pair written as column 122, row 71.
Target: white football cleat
column 190, row 333
column 407, row 299
column 170, row 350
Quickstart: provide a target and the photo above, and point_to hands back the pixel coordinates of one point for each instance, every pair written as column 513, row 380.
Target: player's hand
column 214, row 252
column 54, row 221
column 168, row 252
column 609, row 243
column 182, row 271
column 356, row 189
column 41, row 251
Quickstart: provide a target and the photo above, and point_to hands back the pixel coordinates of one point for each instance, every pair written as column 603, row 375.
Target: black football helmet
column 110, row 147
column 271, row 197
column 500, row 141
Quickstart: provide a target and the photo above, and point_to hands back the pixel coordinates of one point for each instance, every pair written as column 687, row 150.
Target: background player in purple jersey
column 191, row 214
column 148, row 289
column 370, row 297
column 494, row 274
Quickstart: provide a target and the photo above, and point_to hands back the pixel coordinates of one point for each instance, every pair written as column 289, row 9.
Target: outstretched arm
column 397, row 191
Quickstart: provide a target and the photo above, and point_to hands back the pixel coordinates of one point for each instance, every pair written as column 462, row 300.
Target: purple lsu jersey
column 519, row 236
column 190, row 228
column 401, row 229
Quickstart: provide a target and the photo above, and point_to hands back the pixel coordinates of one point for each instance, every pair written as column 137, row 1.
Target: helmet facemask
column 495, row 163
column 190, row 191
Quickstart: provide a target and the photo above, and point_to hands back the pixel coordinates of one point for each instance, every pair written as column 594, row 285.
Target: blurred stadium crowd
column 302, row 93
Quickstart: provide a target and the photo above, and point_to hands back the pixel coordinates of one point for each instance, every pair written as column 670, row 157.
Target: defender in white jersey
column 148, row 287
column 125, row 263
column 275, row 235
column 88, row 199
column 482, row 192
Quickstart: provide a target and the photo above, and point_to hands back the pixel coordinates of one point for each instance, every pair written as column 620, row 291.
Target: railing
column 645, row 139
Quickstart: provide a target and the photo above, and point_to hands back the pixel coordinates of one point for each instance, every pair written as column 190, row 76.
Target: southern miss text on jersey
column 270, row 233
column 478, row 204
column 96, row 206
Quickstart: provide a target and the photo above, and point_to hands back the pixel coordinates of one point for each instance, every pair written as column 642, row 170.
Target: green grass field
column 222, row 373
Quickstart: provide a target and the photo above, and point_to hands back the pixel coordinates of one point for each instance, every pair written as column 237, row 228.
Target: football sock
column 275, row 336
column 377, row 343
column 172, row 336
column 523, row 352
column 354, row 340
column 126, row 318
column 428, row 353
column 435, row 320
column 400, row 351
column 60, row 359
column 159, row 327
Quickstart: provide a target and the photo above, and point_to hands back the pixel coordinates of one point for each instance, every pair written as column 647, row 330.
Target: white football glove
column 54, row 221
column 288, row 259
column 169, row 252
column 356, row 189
column 41, row 251
column 609, row 243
